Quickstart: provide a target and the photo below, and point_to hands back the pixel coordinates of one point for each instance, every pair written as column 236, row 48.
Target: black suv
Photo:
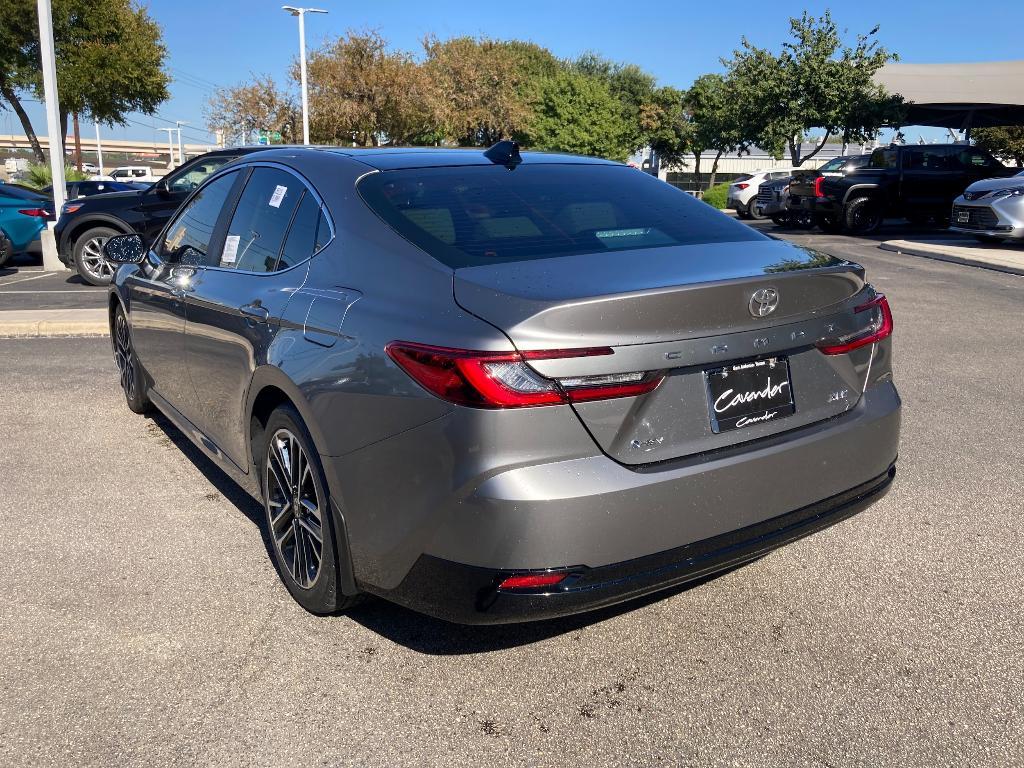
column 86, row 224
column 915, row 182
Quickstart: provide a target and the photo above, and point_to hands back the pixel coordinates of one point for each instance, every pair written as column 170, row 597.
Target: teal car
column 23, row 215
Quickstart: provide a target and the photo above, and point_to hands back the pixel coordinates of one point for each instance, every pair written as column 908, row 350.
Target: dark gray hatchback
column 501, row 387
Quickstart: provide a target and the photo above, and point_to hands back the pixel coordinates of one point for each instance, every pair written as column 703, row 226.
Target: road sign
column 262, row 139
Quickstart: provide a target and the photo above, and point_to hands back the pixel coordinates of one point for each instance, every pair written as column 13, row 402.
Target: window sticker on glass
column 276, row 198
column 230, row 254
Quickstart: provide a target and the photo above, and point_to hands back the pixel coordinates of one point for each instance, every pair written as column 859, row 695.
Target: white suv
column 743, row 190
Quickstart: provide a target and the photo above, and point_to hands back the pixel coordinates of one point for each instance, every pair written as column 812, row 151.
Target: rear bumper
column 817, row 205
column 512, row 509
column 472, row 595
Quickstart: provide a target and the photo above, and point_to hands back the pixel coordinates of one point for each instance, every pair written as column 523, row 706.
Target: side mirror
column 161, row 188
column 125, row 249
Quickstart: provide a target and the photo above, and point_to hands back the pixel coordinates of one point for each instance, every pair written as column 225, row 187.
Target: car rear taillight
column 742, row 185
column 505, row 379
column 879, row 328
column 41, row 213
column 817, row 186
column 533, row 580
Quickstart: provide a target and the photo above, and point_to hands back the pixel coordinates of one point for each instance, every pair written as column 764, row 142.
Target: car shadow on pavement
column 415, row 631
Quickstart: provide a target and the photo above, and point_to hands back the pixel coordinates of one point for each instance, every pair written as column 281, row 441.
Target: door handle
column 255, row 311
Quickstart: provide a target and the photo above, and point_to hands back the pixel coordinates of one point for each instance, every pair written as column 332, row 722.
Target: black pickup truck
column 915, row 182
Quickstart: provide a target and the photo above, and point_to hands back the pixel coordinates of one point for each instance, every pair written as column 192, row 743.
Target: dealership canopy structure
column 961, row 96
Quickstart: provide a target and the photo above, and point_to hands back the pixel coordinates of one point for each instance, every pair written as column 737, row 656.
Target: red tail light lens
column 505, row 380
column 817, row 186
column 879, row 328
column 42, row 213
column 532, row 580
column 742, row 185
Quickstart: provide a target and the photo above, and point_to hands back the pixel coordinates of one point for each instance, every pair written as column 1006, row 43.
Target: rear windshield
column 468, row 216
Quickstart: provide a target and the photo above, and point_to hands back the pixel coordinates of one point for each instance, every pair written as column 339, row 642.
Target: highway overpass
column 156, row 149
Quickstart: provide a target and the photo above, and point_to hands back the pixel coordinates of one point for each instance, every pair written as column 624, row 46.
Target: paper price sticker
column 230, row 254
column 278, row 196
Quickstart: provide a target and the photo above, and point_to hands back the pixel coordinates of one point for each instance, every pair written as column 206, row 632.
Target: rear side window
column 474, row 215
column 301, row 242
column 883, row 158
column 258, row 226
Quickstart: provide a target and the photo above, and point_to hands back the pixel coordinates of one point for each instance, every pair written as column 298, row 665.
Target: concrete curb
column 44, row 323
column 949, row 253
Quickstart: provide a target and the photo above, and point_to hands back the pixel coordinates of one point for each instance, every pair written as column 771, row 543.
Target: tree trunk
column 63, row 128
column 817, row 149
column 696, row 169
column 794, row 154
column 78, row 142
column 26, row 124
column 714, row 169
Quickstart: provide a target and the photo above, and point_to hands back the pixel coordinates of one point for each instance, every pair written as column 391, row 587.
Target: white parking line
column 81, row 290
column 26, row 279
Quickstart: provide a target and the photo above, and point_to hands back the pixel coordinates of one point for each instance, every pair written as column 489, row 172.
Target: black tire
column 88, row 253
column 741, row 214
column 829, row 224
column 802, row 219
column 862, row 216
column 292, row 525
column 6, row 249
column 133, row 380
column 752, row 211
column 780, row 219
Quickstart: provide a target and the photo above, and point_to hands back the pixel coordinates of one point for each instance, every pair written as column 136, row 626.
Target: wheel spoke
column 293, row 508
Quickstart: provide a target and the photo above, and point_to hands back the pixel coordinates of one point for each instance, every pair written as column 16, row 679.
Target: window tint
column 323, row 231
column 193, row 227
column 883, row 158
column 302, row 239
column 197, row 174
column 261, row 219
column 975, row 158
column 930, row 159
column 472, row 215
column 834, row 164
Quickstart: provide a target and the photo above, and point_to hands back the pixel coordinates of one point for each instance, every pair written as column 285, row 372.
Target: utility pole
column 78, row 142
column 99, row 148
column 181, row 154
column 49, row 62
column 301, row 13
column 170, row 143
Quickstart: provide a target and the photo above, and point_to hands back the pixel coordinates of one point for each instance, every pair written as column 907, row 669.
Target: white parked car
column 133, row 173
column 743, row 190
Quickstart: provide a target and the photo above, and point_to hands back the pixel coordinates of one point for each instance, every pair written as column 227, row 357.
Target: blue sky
column 220, row 42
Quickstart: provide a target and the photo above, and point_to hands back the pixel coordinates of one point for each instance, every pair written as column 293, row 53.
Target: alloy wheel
column 123, row 355
column 93, row 260
column 294, row 508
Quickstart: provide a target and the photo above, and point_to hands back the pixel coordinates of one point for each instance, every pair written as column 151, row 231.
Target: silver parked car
column 496, row 386
column 991, row 209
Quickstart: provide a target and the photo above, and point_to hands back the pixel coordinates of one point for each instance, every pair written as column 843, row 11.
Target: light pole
column 99, row 149
column 170, row 143
column 181, row 155
column 49, row 64
column 301, row 13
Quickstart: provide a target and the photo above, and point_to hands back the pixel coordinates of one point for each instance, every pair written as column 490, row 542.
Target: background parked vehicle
column 805, row 187
column 773, row 201
column 991, row 210
column 77, row 189
column 133, row 173
column 743, row 191
column 85, row 224
column 23, row 214
column 917, row 182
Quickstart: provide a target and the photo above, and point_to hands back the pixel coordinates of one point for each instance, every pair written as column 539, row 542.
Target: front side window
column 485, row 214
column 187, row 238
column 196, row 174
column 260, row 222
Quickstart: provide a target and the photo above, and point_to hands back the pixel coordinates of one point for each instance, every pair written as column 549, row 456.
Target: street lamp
column 177, row 125
column 170, row 144
column 301, row 13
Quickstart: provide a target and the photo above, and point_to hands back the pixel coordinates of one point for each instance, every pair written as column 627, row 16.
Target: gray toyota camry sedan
column 498, row 386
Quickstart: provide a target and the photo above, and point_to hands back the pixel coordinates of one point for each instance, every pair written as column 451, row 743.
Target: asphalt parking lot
column 141, row 621
column 24, row 285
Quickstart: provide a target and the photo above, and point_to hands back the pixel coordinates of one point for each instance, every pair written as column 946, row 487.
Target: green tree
column 633, row 88
column 1004, row 141
column 361, row 91
column 667, row 126
column 577, row 113
column 110, row 57
column 711, row 104
column 816, row 81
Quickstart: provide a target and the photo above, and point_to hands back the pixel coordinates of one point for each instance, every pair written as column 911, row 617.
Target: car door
column 233, row 311
column 162, row 199
column 157, row 292
column 929, row 176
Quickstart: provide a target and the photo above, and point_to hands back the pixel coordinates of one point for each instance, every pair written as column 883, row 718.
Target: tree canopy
column 1006, row 142
column 110, row 56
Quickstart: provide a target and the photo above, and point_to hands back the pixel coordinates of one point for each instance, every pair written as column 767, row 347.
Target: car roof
column 393, row 158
